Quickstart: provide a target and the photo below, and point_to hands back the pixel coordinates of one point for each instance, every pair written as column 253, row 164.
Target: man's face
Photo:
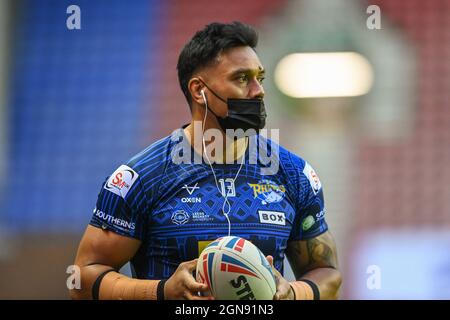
column 238, row 73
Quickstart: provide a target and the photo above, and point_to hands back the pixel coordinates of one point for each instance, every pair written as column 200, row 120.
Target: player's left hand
column 284, row 289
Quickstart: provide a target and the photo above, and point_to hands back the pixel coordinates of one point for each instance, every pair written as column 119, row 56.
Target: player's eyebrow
column 260, row 71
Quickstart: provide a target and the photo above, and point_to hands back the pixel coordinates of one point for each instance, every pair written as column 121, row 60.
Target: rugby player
column 159, row 214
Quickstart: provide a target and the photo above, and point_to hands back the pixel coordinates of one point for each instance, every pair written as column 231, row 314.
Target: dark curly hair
column 207, row 44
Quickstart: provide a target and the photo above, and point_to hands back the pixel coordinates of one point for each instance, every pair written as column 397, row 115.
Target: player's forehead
column 237, row 60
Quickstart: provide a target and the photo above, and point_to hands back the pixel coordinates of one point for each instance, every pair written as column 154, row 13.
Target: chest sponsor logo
column 268, row 191
column 191, row 200
column 121, row 181
column 272, row 217
column 313, row 178
column 200, row 216
column 191, row 190
column 180, row 217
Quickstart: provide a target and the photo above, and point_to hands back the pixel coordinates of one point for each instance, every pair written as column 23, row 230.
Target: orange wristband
column 302, row 290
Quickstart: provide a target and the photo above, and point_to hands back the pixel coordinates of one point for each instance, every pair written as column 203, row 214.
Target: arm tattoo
column 318, row 252
column 321, row 253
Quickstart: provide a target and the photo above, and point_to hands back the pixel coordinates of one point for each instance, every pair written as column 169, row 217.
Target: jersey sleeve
column 121, row 204
column 310, row 208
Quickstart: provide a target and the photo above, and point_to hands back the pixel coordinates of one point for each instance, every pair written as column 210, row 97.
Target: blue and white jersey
column 175, row 209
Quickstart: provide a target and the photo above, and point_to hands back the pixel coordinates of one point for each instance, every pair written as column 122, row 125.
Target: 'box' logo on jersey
column 272, row 217
column 313, row 178
column 121, row 181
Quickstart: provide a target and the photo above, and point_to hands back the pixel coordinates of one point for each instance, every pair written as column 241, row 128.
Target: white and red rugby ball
column 235, row 269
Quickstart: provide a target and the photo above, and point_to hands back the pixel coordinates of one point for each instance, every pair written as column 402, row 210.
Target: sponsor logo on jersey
column 180, row 217
column 191, row 190
column 191, row 200
column 115, row 221
column 268, row 191
column 313, row 178
column 272, row 217
column 200, row 216
column 308, row 222
column 320, row 215
column 121, row 181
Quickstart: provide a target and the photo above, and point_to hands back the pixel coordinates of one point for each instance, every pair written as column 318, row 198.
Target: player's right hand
column 182, row 285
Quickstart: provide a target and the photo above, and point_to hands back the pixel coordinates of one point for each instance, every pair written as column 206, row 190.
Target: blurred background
column 360, row 89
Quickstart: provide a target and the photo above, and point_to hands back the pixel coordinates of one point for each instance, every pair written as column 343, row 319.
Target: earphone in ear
column 203, row 95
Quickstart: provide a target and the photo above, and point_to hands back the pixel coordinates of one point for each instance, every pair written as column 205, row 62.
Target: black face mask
column 242, row 114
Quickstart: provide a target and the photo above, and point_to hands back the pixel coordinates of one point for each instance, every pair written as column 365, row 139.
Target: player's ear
column 195, row 87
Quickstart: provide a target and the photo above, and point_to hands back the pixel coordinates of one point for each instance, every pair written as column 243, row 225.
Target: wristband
column 314, row 288
column 160, row 290
column 96, row 285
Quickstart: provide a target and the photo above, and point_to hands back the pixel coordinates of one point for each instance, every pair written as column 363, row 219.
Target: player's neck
column 231, row 150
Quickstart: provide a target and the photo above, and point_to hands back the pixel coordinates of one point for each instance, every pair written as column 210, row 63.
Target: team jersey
column 175, row 208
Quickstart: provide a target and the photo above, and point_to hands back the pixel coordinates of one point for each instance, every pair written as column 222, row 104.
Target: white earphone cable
column 225, row 192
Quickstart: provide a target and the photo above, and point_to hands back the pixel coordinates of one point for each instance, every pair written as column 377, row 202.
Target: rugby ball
column 235, row 269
